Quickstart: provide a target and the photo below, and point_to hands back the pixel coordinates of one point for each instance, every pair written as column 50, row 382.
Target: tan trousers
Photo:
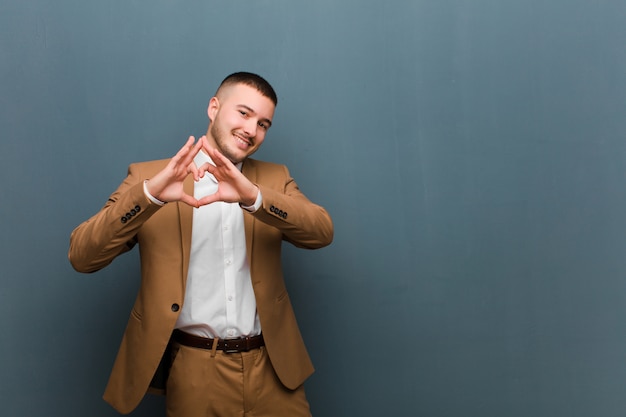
column 205, row 383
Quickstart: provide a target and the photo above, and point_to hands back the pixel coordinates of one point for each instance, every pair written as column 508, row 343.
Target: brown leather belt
column 241, row 344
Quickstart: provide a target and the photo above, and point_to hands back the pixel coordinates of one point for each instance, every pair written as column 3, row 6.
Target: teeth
column 242, row 141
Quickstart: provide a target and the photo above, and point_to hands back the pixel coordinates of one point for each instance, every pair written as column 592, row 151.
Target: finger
column 196, row 147
column 185, row 157
column 180, row 156
column 205, row 142
column 193, row 151
column 191, row 168
column 186, row 147
column 218, row 157
column 208, row 199
column 189, row 200
column 206, row 167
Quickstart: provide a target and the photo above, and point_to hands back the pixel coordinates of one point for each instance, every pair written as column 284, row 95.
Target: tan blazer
column 164, row 237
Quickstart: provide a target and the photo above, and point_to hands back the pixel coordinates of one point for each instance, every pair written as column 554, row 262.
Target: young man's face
column 240, row 117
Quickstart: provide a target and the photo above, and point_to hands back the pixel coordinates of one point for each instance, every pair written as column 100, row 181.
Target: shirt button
column 228, row 261
column 175, row 307
column 230, row 298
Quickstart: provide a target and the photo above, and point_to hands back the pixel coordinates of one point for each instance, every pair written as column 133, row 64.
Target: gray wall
column 472, row 154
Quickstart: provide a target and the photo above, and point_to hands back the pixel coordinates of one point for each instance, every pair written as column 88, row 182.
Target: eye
column 263, row 125
column 243, row 112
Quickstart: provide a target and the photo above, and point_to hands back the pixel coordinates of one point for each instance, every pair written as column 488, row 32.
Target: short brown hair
column 252, row 80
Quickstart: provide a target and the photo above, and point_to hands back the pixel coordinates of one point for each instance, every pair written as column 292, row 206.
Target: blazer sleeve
column 112, row 231
column 302, row 222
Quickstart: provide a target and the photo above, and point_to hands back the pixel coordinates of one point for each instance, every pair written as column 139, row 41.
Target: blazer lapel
column 185, row 213
column 249, row 171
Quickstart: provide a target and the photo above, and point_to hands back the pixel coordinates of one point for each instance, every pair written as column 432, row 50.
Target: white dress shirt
column 219, row 299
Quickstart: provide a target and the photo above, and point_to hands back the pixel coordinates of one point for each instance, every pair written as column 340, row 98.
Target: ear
column 214, row 105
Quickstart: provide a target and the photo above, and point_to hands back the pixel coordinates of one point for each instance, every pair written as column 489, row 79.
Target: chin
column 238, row 155
column 235, row 159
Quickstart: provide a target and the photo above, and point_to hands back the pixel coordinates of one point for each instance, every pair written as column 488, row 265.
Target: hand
column 232, row 185
column 167, row 185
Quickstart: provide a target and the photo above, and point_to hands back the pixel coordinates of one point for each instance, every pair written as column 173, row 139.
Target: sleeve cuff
column 150, row 197
column 257, row 204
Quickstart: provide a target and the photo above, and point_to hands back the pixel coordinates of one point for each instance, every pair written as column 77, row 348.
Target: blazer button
column 175, row 307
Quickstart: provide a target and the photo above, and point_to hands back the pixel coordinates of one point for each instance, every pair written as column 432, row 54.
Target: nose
column 250, row 127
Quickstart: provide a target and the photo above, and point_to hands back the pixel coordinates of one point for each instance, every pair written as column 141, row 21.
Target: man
column 212, row 313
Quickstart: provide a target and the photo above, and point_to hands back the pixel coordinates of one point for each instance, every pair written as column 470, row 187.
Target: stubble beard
column 221, row 140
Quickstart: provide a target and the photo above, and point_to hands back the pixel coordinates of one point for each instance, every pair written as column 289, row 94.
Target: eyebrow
column 268, row 121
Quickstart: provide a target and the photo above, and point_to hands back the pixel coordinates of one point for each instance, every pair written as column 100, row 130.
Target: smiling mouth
column 242, row 141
